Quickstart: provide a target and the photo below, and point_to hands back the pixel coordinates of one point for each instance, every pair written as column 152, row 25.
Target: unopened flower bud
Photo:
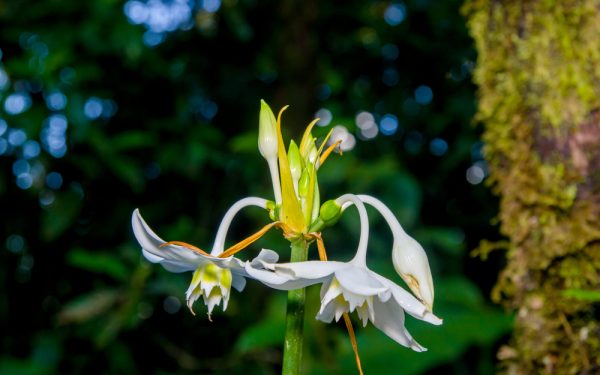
column 330, row 212
column 295, row 161
column 304, row 183
column 267, row 132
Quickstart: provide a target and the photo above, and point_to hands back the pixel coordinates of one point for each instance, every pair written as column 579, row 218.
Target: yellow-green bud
column 267, row 132
column 295, row 161
column 304, row 183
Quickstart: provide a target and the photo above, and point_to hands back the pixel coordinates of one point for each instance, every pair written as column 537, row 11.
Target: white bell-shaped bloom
column 213, row 276
column 408, row 256
column 350, row 286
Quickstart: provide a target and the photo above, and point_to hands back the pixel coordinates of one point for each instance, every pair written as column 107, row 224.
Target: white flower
column 408, row 256
column 350, row 286
column 213, row 276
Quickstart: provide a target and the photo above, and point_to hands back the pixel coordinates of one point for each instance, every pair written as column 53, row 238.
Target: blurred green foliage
column 166, row 121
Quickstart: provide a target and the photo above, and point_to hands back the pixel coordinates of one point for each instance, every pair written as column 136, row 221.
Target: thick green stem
column 292, row 347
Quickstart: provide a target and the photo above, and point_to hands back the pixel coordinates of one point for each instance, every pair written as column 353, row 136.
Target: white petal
column 278, row 280
column 238, row 282
column 360, row 281
column 309, row 270
column 409, row 303
column 173, row 258
column 389, row 318
column 268, row 256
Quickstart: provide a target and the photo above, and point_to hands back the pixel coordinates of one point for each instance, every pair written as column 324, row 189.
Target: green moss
column 538, row 72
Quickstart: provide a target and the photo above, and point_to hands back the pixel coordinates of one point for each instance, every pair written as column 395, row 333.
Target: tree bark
column 538, row 74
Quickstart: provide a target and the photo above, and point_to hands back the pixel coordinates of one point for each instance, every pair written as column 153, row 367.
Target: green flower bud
column 304, row 183
column 330, row 212
column 295, row 161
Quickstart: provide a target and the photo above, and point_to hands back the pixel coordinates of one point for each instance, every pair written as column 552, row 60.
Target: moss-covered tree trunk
column 538, row 74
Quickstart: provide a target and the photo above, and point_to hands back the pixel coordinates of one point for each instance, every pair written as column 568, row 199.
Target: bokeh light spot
column 324, row 116
column 31, row 149
column 54, row 180
column 210, row 6
column 55, row 101
column 364, row 119
column 423, row 95
column 438, row 146
column 17, row 103
column 15, row 243
column 394, row 14
column 475, row 174
column 388, row 124
column 24, row 181
column 16, row 137
column 93, row 108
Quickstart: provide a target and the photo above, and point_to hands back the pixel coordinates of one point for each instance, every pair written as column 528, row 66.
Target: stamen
column 248, row 240
column 186, row 245
column 329, row 151
column 353, row 341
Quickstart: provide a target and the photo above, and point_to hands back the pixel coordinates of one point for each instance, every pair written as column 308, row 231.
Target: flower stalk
column 294, row 325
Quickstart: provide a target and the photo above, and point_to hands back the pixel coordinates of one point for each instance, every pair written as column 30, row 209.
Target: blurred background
column 110, row 105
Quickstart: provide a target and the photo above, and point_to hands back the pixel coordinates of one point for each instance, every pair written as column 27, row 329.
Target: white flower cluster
column 345, row 286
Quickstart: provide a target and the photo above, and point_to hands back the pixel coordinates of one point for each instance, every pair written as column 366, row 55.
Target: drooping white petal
column 408, row 256
column 173, row 258
column 389, row 318
column 238, row 282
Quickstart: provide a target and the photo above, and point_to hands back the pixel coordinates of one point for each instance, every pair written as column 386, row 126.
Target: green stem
column 292, row 347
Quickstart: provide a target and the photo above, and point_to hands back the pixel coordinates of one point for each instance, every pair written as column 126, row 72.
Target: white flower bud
column 267, row 132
